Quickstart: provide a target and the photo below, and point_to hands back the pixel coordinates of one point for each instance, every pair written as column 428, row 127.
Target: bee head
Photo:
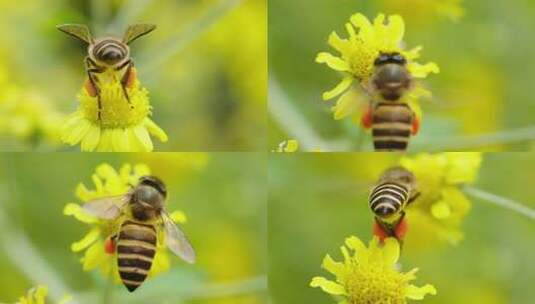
column 109, row 51
column 399, row 175
column 154, row 182
column 391, row 77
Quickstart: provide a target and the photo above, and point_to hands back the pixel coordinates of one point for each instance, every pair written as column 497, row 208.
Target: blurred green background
column 482, row 98
column 317, row 200
column 223, row 195
column 205, row 67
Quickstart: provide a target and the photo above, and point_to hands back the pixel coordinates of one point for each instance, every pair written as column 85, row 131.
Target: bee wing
column 176, row 240
column 79, row 31
column 137, row 30
column 107, row 208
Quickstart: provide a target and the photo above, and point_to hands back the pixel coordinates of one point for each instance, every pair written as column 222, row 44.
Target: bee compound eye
column 398, row 58
column 383, row 58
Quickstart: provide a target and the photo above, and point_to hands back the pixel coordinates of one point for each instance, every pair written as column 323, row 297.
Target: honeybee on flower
column 114, row 111
column 386, row 99
column 102, row 242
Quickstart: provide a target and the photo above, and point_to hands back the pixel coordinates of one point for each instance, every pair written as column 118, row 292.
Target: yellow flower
column 356, row 60
column 442, row 206
column 288, row 146
column 370, row 275
column 35, row 295
column 109, row 182
column 123, row 126
column 25, row 115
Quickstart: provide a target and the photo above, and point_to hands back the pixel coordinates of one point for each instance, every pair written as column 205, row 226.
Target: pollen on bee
column 90, row 88
column 379, row 232
column 109, row 246
column 131, row 78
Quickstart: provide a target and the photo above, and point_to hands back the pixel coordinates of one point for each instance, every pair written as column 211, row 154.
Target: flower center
column 116, row 111
column 374, row 284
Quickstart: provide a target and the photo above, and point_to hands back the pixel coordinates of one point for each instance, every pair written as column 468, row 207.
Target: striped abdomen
column 388, row 199
column 136, row 247
column 391, row 126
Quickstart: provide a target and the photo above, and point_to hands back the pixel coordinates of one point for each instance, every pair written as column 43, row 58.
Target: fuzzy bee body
column 391, row 119
column 391, row 126
column 394, row 191
column 388, row 198
column 136, row 247
column 136, row 240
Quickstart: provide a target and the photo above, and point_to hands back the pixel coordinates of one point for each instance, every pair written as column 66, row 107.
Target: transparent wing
column 107, row 208
column 79, row 31
column 176, row 240
column 137, row 30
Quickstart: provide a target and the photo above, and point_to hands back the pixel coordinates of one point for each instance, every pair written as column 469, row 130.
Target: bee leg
column 126, row 80
column 109, row 244
column 367, row 119
column 415, row 125
column 92, row 69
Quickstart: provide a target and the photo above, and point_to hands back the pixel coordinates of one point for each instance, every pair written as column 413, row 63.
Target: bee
column 135, row 242
column 395, row 190
column 107, row 53
column 391, row 120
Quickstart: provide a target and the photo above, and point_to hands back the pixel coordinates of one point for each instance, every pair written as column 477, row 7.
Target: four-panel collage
column 267, row 152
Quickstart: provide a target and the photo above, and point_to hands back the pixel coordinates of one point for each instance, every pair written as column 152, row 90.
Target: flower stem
column 23, row 254
column 477, row 141
column 107, row 294
column 500, row 201
column 294, row 124
column 177, row 43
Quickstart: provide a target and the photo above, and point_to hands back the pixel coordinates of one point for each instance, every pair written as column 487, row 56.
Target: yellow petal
column 291, row 146
column 155, row 130
column 418, row 293
column 91, row 139
column 390, row 252
column 141, row 170
column 178, row 217
column 361, row 252
column 463, row 167
column 422, row 70
column 77, row 132
column 94, row 256
column 160, row 263
column 363, row 24
column 87, row 240
column 441, row 210
column 395, row 29
column 335, row 63
column 339, row 89
column 77, row 211
column 328, row 286
column 143, row 137
column 106, row 141
column 40, row 294
column 333, row 267
column 338, row 43
column 413, row 53
column 83, row 193
column 349, row 104
column 120, row 140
